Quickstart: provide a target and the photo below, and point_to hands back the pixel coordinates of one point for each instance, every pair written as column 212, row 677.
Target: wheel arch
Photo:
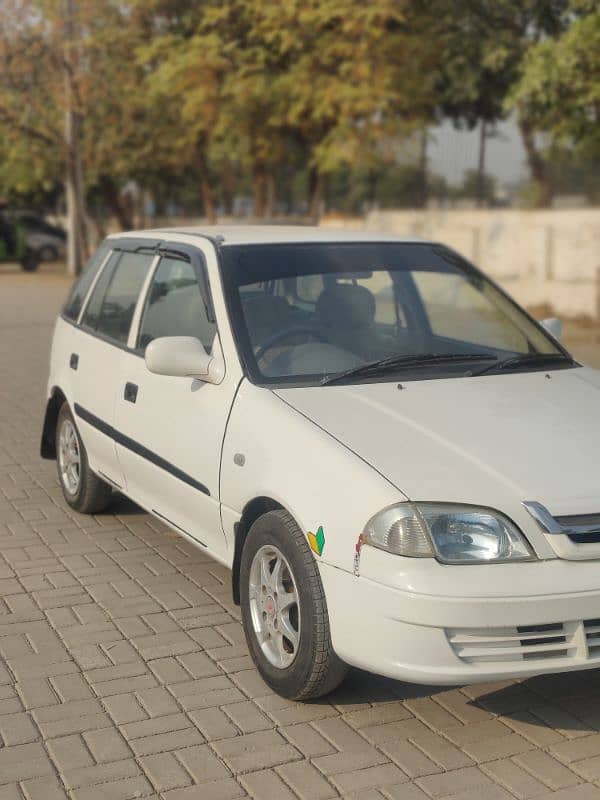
column 53, row 406
column 253, row 509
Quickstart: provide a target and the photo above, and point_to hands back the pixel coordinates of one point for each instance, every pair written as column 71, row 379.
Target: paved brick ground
column 123, row 670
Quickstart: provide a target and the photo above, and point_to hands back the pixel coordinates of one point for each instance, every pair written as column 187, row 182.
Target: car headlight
column 453, row 534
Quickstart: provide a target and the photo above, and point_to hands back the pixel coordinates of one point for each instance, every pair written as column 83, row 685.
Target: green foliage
column 200, row 101
column 471, row 188
column 559, row 89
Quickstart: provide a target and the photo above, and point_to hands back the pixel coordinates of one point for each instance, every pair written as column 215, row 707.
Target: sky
column 452, row 152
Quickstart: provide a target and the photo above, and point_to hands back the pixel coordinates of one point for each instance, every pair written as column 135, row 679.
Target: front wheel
column 284, row 611
column 83, row 490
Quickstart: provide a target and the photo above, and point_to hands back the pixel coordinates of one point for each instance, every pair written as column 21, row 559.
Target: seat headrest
column 346, row 305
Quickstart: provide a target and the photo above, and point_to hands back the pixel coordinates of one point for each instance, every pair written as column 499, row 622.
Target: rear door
column 96, row 357
column 171, row 429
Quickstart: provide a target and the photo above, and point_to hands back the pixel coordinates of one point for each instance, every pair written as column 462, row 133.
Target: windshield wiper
column 384, row 365
column 527, row 360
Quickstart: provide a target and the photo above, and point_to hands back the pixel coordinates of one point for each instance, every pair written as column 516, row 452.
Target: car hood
column 523, row 436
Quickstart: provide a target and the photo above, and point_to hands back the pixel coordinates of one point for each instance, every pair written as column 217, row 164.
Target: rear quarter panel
column 63, row 344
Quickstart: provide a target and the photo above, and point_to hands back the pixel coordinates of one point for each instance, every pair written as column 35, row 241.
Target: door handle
column 130, row 393
column 74, row 361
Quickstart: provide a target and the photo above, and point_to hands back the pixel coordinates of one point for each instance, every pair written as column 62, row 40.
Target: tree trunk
column 228, row 185
column 316, row 184
column 260, row 190
column 481, row 165
column 537, row 165
column 119, row 209
column 208, row 200
column 76, row 230
column 74, row 254
column 423, row 195
column 270, row 196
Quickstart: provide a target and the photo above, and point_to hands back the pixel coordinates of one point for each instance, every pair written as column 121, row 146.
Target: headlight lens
column 451, row 533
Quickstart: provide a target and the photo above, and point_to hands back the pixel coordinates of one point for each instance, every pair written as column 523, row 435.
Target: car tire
column 30, row 261
column 301, row 670
column 48, row 253
column 82, row 489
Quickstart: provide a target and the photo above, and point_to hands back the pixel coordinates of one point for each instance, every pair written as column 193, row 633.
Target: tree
column 558, row 92
column 481, row 45
column 342, row 97
column 271, row 86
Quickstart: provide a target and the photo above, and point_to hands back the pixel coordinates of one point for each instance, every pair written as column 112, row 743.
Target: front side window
column 304, row 313
column 110, row 309
column 175, row 305
column 79, row 291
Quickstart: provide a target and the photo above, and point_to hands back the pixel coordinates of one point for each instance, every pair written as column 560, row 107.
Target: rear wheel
column 285, row 612
column 48, row 253
column 83, row 491
column 30, row 261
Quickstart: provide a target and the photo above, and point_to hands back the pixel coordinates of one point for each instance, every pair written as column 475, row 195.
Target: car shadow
column 360, row 688
column 122, row 506
column 568, row 702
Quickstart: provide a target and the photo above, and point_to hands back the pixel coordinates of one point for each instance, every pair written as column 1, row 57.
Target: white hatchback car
column 398, row 464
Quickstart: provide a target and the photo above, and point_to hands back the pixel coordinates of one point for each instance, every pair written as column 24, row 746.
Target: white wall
column 538, row 256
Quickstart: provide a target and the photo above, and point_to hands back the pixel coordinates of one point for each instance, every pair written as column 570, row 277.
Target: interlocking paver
column 165, row 771
column 255, row 750
column 410, row 758
column 267, row 783
column 17, row 729
column 306, row 780
column 213, row 723
column 46, row 788
column 107, row 745
column 369, row 778
column 517, row 780
column 20, row 762
column 124, row 670
column 163, row 742
column 469, row 779
column 202, row 764
column 227, row 789
column 547, row 769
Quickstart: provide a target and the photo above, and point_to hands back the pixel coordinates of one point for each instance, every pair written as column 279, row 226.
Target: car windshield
column 308, row 314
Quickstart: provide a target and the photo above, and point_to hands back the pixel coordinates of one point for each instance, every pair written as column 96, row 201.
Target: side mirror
column 553, row 326
column 183, row 357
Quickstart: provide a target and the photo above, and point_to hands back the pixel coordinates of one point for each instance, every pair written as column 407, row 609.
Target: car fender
column 271, row 451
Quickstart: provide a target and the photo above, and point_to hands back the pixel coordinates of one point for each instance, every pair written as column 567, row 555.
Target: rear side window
column 91, row 315
column 115, row 296
column 79, row 291
column 175, row 305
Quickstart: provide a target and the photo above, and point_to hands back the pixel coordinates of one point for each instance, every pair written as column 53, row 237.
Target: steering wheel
column 284, row 334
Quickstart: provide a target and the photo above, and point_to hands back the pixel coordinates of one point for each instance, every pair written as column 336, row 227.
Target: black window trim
column 154, row 247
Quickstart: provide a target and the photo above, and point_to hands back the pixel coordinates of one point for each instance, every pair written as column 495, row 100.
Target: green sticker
column 317, row 541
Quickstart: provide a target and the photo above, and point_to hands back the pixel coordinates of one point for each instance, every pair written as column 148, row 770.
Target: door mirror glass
column 183, row 357
column 554, row 327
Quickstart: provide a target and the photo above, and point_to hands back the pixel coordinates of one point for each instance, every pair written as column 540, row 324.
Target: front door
column 170, row 430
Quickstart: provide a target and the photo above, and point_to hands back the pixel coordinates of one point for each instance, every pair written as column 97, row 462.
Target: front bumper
column 420, row 621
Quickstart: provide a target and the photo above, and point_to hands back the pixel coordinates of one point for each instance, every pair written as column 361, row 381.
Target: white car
column 399, row 465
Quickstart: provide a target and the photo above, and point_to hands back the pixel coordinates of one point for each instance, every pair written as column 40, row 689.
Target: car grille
column 573, row 522
column 580, row 640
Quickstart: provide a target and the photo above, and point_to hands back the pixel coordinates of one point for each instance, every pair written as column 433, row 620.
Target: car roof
column 268, row 234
